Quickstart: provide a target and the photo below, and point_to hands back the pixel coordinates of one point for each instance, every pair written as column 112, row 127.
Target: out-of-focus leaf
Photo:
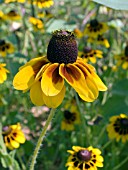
column 115, row 4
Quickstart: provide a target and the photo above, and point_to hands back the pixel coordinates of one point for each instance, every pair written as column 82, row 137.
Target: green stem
column 106, row 144
column 119, row 165
column 42, row 135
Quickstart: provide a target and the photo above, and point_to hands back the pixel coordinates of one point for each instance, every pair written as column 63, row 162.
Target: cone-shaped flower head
column 46, row 76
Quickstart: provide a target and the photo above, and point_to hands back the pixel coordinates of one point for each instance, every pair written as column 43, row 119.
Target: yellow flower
column 43, row 3
column 78, row 33
column 118, row 128
column 9, row 1
column 3, row 73
column 99, row 40
column 5, row 48
column 71, row 117
column 46, row 76
column 89, row 54
column 13, row 136
column 37, row 24
column 94, row 28
column 84, row 158
column 13, row 15
column 122, row 59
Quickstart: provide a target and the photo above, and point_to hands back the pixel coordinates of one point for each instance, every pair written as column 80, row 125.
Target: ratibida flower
column 43, row 3
column 6, row 48
column 94, row 28
column 84, row 158
column 122, row 59
column 3, row 72
column 13, row 136
column 71, row 117
column 46, row 76
column 118, row 128
column 88, row 54
column 37, row 24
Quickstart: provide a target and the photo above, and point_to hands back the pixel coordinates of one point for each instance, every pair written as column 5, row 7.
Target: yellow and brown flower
column 84, row 158
column 37, row 24
column 43, row 3
column 118, row 128
column 13, row 16
column 46, row 76
column 13, row 136
column 5, row 48
column 89, row 54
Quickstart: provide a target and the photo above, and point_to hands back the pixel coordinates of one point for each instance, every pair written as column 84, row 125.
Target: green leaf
column 115, row 4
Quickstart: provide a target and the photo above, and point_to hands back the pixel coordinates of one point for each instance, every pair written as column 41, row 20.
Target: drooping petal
column 54, row 101
column 24, row 78
column 51, row 82
column 74, row 76
column 36, row 94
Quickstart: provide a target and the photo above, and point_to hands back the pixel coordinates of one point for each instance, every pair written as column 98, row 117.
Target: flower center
column 87, row 49
column 124, row 123
column 84, row 155
column 69, row 116
column 2, row 42
column 126, row 51
column 62, row 47
column 6, row 130
column 94, row 23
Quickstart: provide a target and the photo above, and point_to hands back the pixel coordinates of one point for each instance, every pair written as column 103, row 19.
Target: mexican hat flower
column 13, row 136
column 5, row 48
column 118, row 128
column 94, row 28
column 3, row 72
column 84, row 158
column 91, row 55
column 43, row 3
column 37, row 24
column 122, row 59
column 71, row 117
column 46, row 76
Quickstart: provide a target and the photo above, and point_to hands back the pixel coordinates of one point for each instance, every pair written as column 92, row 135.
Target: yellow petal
column 54, row 101
column 36, row 94
column 92, row 59
column 19, row 137
column 24, row 78
column 51, row 82
column 74, row 76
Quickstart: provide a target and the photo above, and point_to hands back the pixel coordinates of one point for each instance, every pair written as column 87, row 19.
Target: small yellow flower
column 13, row 16
column 13, row 136
column 70, row 119
column 9, row 1
column 37, row 24
column 43, row 3
column 46, row 76
column 5, row 48
column 99, row 40
column 2, row 17
column 122, row 59
column 118, row 128
column 3, row 72
column 89, row 54
column 94, row 28
column 84, row 158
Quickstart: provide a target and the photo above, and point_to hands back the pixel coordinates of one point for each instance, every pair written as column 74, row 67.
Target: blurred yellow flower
column 5, row 48
column 46, row 76
column 94, row 28
column 78, row 33
column 3, row 72
column 9, row 1
column 99, row 40
column 37, row 24
column 13, row 15
column 71, row 117
column 118, row 128
column 2, row 17
column 89, row 54
column 84, row 158
column 13, row 136
column 122, row 59
column 43, row 3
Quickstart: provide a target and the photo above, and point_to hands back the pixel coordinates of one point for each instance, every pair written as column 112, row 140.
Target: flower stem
column 52, row 112
column 119, row 165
